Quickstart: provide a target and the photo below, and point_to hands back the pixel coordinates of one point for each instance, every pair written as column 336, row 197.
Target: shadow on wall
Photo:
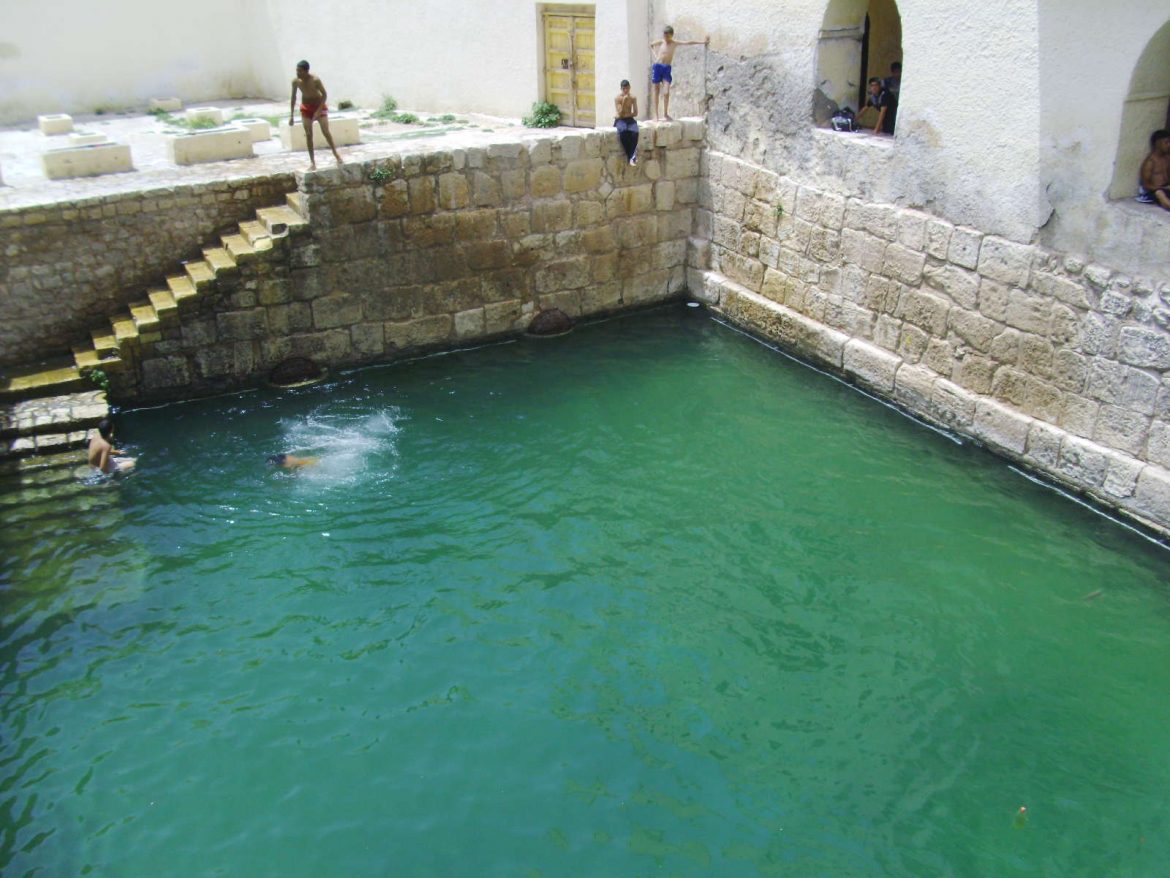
column 1147, row 108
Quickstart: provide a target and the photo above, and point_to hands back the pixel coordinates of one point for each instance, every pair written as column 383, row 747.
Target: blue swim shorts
column 660, row 73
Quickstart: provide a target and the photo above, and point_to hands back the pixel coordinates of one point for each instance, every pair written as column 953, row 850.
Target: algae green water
column 649, row 599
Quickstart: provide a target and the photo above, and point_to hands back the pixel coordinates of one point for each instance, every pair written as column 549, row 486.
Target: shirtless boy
column 663, row 53
column 313, row 109
column 1155, row 174
column 625, row 108
column 102, row 453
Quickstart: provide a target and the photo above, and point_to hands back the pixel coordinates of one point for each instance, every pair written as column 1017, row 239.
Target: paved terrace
column 25, row 183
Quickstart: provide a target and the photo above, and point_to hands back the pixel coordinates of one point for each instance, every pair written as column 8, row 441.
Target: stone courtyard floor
column 25, row 183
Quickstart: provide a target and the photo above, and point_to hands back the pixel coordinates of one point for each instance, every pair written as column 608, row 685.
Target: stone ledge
column 1110, row 478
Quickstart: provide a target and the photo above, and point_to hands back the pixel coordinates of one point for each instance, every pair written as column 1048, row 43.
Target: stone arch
column 858, row 39
column 1146, row 109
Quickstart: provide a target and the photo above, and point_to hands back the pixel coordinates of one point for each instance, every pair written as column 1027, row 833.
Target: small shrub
column 404, row 118
column 387, row 110
column 378, row 176
column 345, row 105
column 200, row 124
column 99, row 378
column 779, row 211
column 544, row 115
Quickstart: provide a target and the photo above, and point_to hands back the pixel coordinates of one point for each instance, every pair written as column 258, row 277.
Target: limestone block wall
column 1059, row 363
column 438, row 249
column 68, row 265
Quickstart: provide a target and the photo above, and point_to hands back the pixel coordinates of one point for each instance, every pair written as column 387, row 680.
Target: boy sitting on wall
column 1155, row 172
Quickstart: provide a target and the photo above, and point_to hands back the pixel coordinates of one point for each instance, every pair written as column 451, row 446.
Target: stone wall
column 69, row 265
column 1049, row 360
column 438, row 249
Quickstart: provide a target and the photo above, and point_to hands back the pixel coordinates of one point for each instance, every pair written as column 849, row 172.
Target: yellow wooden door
column 569, row 76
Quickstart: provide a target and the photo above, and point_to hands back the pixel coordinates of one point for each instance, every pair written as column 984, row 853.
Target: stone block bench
column 343, row 128
column 86, row 161
column 210, row 145
column 213, row 115
column 80, row 139
column 57, row 123
column 258, row 128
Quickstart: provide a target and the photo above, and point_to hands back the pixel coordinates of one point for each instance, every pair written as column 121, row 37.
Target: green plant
column 345, row 105
column 544, row 115
column 405, row 118
column 387, row 110
column 379, row 176
column 98, row 377
column 779, row 211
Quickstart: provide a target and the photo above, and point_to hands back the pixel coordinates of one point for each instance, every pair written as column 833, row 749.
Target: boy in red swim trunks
column 313, row 109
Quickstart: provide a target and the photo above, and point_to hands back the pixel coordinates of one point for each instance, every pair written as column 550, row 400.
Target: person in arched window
column 1155, row 172
column 885, row 104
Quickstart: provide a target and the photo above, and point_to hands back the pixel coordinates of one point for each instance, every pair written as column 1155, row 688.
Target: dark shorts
column 660, row 73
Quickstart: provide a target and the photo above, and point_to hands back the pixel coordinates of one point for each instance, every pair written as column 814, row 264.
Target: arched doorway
column 1147, row 108
column 858, row 39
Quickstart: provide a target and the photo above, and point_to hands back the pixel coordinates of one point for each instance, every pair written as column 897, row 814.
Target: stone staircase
column 51, row 405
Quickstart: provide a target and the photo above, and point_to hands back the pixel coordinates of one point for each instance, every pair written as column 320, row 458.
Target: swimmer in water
column 291, row 461
column 103, row 456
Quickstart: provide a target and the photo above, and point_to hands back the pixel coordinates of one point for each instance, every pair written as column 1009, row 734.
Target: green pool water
column 648, row 599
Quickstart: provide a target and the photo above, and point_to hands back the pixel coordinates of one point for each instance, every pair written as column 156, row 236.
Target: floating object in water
column 1021, row 818
column 1093, row 595
column 692, row 304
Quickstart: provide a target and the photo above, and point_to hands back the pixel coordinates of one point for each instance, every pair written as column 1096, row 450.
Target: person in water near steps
column 103, row 456
column 291, row 461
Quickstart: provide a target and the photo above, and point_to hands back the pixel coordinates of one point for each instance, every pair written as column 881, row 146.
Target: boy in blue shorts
column 663, row 53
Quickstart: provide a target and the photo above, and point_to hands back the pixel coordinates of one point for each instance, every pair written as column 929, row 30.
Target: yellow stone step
column 238, row 246
column 144, row 316
column 125, row 330
column 201, row 273
column 281, row 220
column 296, row 200
column 219, row 259
column 254, row 231
column 43, row 380
column 163, row 302
column 87, row 358
column 181, row 287
column 104, row 340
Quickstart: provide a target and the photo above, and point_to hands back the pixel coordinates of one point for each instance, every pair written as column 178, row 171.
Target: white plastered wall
column 76, row 57
column 446, row 56
column 1089, row 56
column 967, row 146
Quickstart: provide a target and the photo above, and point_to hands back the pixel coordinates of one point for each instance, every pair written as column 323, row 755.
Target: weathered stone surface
column 1145, row 348
column 863, row 250
column 1082, row 461
column 1121, row 428
column 1000, row 427
column 561, row 275
column 1151, row 497
column 422, row 194
column 454, row 192
column 583, row 175
column 914, row 387
column 871, row 366
column 338, row 309
column 903, row 265
column 964, row 247
column 1006, row 261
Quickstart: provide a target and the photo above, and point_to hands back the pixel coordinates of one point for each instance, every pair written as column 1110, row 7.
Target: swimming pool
column 646, row 599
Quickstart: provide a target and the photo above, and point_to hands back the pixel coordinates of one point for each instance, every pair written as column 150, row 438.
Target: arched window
column 859, row 39
column 1147, row 108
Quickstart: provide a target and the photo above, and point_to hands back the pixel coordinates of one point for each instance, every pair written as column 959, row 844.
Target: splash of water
column 348, row 447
